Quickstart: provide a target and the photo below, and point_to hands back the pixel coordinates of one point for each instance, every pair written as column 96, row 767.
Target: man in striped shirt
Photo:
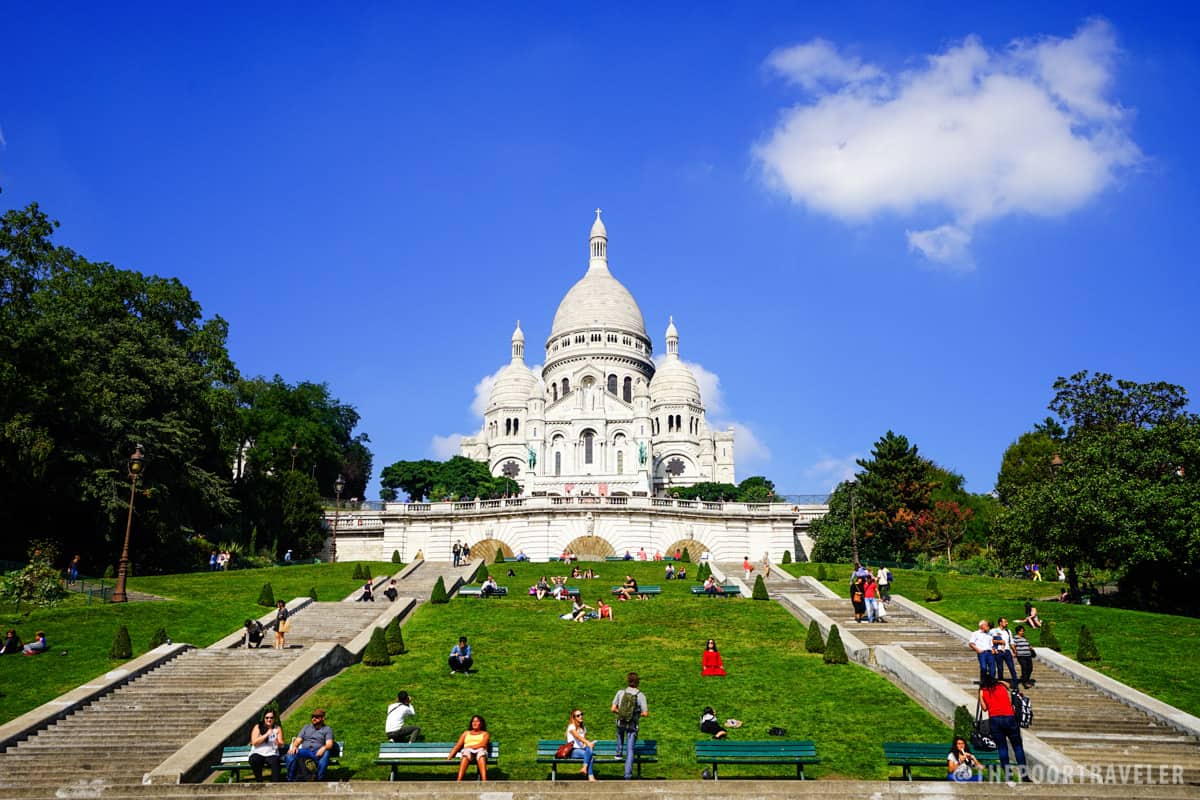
column 1024, row 656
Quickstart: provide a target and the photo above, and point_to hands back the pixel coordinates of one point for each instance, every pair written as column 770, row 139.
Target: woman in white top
column 266, row 738
column 584, row 747
column 578, row 609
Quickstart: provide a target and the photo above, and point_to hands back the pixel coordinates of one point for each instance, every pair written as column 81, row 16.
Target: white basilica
column 601, row 418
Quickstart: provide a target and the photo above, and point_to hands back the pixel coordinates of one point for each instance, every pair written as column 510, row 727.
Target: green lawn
column 1136, row 647
column 533, row 668
column 203, row 607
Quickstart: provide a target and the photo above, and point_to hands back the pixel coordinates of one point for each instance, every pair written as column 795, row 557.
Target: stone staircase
column 1081, row 722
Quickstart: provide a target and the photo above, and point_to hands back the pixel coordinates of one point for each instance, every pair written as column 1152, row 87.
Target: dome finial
column 672, row 337
column 598, row 244
column 518, row 343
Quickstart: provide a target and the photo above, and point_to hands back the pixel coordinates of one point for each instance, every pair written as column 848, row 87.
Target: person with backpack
column 994, row 697
column 629, row 705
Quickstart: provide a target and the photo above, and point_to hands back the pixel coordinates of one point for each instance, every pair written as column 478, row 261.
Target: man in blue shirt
column 314, row 741
column 460, row 657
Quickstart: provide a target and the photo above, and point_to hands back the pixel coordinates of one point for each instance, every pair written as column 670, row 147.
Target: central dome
column 598, row 300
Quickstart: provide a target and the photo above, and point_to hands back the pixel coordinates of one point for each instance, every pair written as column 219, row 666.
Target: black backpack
column 1022, row 709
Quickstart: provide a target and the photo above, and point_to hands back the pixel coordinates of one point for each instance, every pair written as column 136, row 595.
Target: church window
column 627, row 390
column 579, row 339
column 678, row 423
column 675, row 467
column 554, row 392
column 566, row 386
column 625, row 340
column 588, row 438
column 612, row 337
column 612, row 384
column 595, row 337
column 511, row 469
column 507, row 427
column 516, row 426
column 620, row 463
column 670, row 423
column 557, row 464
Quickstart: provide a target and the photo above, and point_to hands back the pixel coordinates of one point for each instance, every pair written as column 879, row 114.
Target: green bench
column 424, row 754
column 236, row 759
column 649, row 591
column 929, row 754
column 620, row 558
column 772, row 751
column 477, row 591
column 645, row 751
column 729, row 590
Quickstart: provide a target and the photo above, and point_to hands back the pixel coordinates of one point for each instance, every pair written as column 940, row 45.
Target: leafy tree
column 267, row 596
column 376, row 653
column 814, row 643
column 835, row 651
column 481, row 573
column 941, row 527
column 894, row 486
column 821, row 574
column 687, row 556
column 756, row 489
column 414, row 478
column 439, row 595
column 1086, row 649
column 394, row 637
column 388, row 495
column 712, row 492
column 499, row 559
column 38, row 582
column 312, row 593
column 760, row 589
column 1027, row 462
column 121, row 646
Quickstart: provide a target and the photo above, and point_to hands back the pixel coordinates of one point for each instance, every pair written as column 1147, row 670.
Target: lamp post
column 853, row 524
column 135, row 471
column 294, row 451
column 338, row 485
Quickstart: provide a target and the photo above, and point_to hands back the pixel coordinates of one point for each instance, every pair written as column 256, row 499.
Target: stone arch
column 694, row 547
column 590, row 548
column 485, row 550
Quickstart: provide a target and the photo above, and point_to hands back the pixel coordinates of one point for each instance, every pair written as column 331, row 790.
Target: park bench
column 645, row 751
column 730, row 590
column 648, row 590
column 424, row 754
column 772, row 751
column 620, row 558
column 236, row 759
column 477, row 591
column 929, row 754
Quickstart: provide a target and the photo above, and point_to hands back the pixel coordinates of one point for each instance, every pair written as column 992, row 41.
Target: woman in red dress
column 711, row 663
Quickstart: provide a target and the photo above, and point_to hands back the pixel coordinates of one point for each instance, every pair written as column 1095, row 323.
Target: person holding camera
column 961, row 764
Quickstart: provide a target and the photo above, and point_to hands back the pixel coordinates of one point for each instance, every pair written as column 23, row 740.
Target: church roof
column 598, row 300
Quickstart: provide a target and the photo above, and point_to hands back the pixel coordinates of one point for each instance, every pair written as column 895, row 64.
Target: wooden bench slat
column 928, row 754
column 236, row 759
column 724, row 751
column 424, row 754
column 645, row 751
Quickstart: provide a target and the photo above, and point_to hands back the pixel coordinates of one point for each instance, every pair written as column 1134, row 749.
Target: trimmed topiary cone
column 1048, row 639
column 366, row 572
column 835, row 651
column 499, row 559
column 481, row 573
column 760, row 589
column 821, row 575
column 160, row 637
column 687, row 556
column 787, row 556
column 357, row 574
column 312, row 593
column 376, row 654
column 267, row 596
column 964, row 722
column 395, row 556
column 121, row 647
column 394, row 637
column 932, row 592
column 438, row 595
column 1086, row 649
column 815, row 643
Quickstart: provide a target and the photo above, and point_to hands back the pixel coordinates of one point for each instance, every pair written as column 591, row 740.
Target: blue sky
column 861, row 217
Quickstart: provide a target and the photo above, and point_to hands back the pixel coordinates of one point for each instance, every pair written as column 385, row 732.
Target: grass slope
column 202, row 608
column 1136, row 647
column 533, row 668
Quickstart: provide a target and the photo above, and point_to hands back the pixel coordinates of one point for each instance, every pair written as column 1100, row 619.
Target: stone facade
column 602, row 418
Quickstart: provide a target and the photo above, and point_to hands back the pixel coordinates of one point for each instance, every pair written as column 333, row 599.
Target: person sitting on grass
column 12, row 643
column 37, row 646
column 604, row 609
column 559, row 591
column 1031, row 617
column 589, row 573
column 710, row 724
column 461, row 658
column 473, row 745
column 541, row 588
column 711, row 662
column 579, row 610
column 669, row 572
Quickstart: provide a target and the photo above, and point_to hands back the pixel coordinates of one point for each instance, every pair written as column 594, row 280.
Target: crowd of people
column 870, row 593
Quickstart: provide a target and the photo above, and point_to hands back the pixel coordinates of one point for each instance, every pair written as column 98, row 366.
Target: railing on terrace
column 355, row 518
column 517, row 502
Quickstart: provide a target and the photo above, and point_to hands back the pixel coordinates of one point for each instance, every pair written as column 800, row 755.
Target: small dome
column 598, row 228
column 518, row 334
column 673, row 382
column 672, row 331
column 513, row 386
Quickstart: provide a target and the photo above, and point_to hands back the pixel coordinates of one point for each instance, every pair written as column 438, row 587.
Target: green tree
column 121, row 647
column 712, row 492
column 964, row 722
column 756, row 489
column 439, row 595
column 1047, row 637
column 267, row 596
column 414, row 478
column 787, row 556
column 38, row 582
column 835, row 651
column 932, row 592
column 395, row 556
column 814, row 643
column 394, row 637
column 376, row 653
column 939, row 528
column 760, row 589
column 160, row 637
column 1086, row 649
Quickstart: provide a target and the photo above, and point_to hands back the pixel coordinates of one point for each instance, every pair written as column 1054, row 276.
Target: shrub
column 267, row 596
column 835, row 651
column 760, row 589
column 1047, row 637
column 395, row 556
column 38, row 582
column 1086, row 651
column 481, row 573
column 395, row 639
column 438, row 595
column 312, row 593
column 499, row 559
column 160, row 637
column 932, row 592
column 121, row 647
column 821, row 575
column 964, row 722
column 815, row 643
column 366, row 572
column 787, row 556
column 687, row 556
column 376, row 654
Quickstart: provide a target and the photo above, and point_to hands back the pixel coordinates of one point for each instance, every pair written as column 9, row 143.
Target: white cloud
column 3, row 143
column 750, row 453
column 972, row 134
column 444, row 447
column 827, row 473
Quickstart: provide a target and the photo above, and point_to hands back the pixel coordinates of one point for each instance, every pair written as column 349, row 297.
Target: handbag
column 981, row 731
column 564, row 750
column 857, row 597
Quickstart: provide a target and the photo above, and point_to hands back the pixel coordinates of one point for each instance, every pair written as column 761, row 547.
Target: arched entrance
column 591, row 548
column 694, row 548
column 485, row 550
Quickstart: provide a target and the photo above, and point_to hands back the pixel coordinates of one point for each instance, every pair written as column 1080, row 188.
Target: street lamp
column 135, row 472
column 295, row 450
column 338, row 485
column 853, row 524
